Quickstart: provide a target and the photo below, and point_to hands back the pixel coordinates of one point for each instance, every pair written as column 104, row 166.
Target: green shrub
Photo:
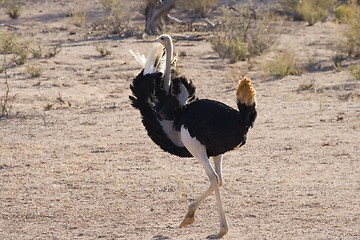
column 343, row 13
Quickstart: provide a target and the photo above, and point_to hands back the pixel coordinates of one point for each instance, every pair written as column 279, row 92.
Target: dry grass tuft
column 79, row 17
column 102, row 50
column 34, row 71
column 283, row 64
column 12, row 8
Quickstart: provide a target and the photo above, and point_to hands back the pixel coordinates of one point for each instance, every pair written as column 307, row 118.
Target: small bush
column 314, row 10
column 311, row 10
column 79, row 18
column 34, row 71
column 9, row 44
column 343, row 13
column 241, row 36
column 117, row 13
column 353, row 31
column 200, row 8
column 12, row 8
column 355, row 71
column 282, row 65
column 234, row 49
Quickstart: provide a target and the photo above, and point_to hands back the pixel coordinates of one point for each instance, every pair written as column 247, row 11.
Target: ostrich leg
column 199, row 152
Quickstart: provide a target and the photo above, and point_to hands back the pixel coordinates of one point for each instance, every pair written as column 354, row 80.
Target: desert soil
column 86, row 169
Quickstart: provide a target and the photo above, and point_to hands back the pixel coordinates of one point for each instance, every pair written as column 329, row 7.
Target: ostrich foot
column 189, row 219
column 219, row 235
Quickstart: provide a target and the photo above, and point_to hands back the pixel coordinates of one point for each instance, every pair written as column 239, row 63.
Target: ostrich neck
column 169, row 53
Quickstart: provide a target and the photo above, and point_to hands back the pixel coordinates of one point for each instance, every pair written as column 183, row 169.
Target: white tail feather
column 140, row 58
column 155, row 61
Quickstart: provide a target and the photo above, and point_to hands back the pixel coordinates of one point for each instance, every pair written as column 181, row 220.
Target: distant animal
column 186, row 126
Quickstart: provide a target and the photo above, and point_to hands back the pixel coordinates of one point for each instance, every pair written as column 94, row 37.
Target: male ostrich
column 190, row 127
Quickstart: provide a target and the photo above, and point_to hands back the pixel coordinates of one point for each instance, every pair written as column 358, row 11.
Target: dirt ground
column 86, row 169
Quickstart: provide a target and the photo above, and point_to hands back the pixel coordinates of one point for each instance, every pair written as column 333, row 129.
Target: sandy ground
column 86, row 169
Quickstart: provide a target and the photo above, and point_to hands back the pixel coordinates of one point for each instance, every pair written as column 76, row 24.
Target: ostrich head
column 165, row 40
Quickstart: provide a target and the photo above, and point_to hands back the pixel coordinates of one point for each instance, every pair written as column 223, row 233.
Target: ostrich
column 199, row 128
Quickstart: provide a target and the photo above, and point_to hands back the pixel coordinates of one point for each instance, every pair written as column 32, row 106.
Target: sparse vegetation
column 4, row 100
column 9, row 44
column 58, row 101
column 353, row 32
column 14, row 54
column 241, row 36
column 283, row 64
column 355, row 71
column 13, row 8
column 314, row 10
column 290, row 5
column 36, row 52
column 79, row 17
column 200, row 8
column 34, row 71
column 343, row 12
column 311, row 10
column 102, row 50
column 116, row 12
column 52, row 52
